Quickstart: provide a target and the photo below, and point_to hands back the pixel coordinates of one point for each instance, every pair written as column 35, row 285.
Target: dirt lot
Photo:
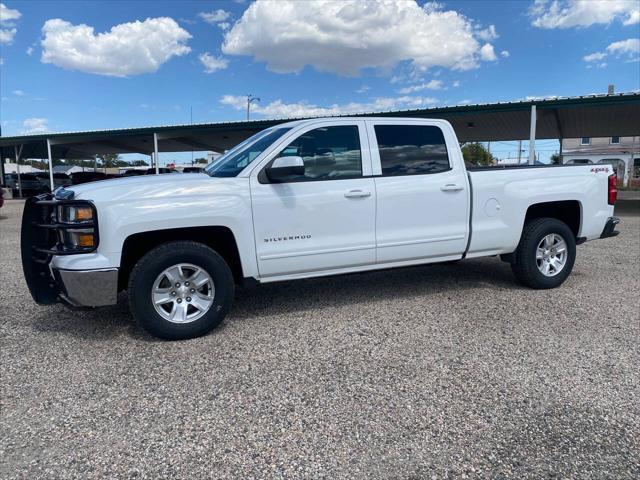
column 446, row 371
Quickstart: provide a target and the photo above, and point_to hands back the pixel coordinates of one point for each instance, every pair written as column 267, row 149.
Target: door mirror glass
column 284, row 168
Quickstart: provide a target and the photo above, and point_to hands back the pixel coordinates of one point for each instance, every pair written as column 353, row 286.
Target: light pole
column 250, row 100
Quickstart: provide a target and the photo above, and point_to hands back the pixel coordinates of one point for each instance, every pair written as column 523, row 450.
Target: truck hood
column 149, row 187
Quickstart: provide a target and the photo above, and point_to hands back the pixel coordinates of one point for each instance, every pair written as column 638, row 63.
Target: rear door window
column 411, row 149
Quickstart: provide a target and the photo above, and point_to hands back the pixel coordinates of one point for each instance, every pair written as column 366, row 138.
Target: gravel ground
column 446, row 371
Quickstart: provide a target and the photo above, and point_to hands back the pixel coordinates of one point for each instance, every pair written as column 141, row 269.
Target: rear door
column 324, row 219
column 422, row 197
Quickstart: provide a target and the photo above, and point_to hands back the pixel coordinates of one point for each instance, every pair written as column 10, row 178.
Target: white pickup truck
column 305, row 199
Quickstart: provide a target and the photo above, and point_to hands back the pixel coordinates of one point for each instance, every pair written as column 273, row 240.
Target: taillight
column 613, row 189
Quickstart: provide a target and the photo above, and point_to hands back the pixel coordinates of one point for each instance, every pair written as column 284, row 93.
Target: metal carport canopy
column 570, row 117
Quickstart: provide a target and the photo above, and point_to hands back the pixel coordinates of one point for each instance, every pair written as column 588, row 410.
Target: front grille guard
column 41, row 239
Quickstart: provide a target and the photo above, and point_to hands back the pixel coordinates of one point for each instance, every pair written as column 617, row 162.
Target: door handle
column 357, row 194
column 451, row 187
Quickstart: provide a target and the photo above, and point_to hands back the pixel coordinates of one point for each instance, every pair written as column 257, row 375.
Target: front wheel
column 180, row 290
column 545, row 255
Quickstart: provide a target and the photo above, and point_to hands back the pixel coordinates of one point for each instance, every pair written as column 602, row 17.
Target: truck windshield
column 231, row 163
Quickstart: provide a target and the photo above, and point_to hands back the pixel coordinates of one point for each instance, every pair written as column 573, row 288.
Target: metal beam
column 532, row 135
column 18, row 155
column 155, row 153
column 50, row 164
column 194, row 143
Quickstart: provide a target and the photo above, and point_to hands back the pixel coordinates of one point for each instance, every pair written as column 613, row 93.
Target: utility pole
column 250, row 100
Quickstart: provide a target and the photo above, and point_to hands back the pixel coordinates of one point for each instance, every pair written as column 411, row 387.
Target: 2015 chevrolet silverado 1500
column 304, row 199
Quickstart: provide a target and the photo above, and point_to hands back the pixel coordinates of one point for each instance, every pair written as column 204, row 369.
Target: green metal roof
column 566, row 117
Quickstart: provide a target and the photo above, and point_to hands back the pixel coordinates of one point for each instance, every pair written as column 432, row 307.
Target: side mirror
column 283, row 168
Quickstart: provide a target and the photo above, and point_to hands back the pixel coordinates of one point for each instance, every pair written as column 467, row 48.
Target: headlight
column 78, row 230
column 75, row 214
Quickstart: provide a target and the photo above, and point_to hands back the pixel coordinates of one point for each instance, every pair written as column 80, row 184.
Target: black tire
column 525, row 266
column 152, row 264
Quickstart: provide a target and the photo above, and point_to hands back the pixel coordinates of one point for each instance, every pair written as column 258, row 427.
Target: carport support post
column 532, row 136
column 155, row 152
column 50, row 164
column 18, row 155
column 560, row 154
column 1, row 170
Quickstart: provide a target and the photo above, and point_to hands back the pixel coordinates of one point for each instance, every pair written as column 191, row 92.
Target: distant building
column 13, row 168
column 69, row 169
column 623, row 153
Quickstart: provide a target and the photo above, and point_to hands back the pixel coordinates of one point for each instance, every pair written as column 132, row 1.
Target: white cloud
column 29, row 50
column 224, row 25
column 215, row 16
column 7, row 34
column 430, row 85
column 633, row 18
column 363, row 89
column 35, row 125
column 347, row 36
column 280, row 109
column 212, row 64
column 629, row 47
column 7, row 28
column 7, row 14
column 594, row 57
column 505, row 54
column 488, row 34
column 487, row 53
column 19, row 93
column 583, row 13
column 456, row 84
column 127, row 49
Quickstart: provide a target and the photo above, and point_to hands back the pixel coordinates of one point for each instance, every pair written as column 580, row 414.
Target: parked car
column 307, row 199
column 85, row 177
column 132, row 172
column 59, row 179
column 152, row 171
column 192, row 170
column 29, row 182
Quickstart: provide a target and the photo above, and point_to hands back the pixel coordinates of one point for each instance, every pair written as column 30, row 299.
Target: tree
column 109, row 160
column 555, row 159
column 201, row 160
column 476, row 154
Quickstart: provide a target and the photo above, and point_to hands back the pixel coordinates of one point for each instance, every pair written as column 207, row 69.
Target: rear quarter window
column 411, row 149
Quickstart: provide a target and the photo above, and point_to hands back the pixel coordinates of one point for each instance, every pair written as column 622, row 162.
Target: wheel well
column 566, row 211
column 219, row 238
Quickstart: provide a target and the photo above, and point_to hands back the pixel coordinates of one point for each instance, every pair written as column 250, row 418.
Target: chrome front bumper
column 88, row 288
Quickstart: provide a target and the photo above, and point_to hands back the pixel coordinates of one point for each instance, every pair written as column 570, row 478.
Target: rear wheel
column 545, row 255
column 180, row 290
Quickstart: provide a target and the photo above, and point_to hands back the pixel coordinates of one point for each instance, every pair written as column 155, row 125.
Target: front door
column 324, row 219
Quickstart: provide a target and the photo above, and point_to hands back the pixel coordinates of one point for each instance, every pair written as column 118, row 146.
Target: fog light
column 85, row 240
column 82, row 239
